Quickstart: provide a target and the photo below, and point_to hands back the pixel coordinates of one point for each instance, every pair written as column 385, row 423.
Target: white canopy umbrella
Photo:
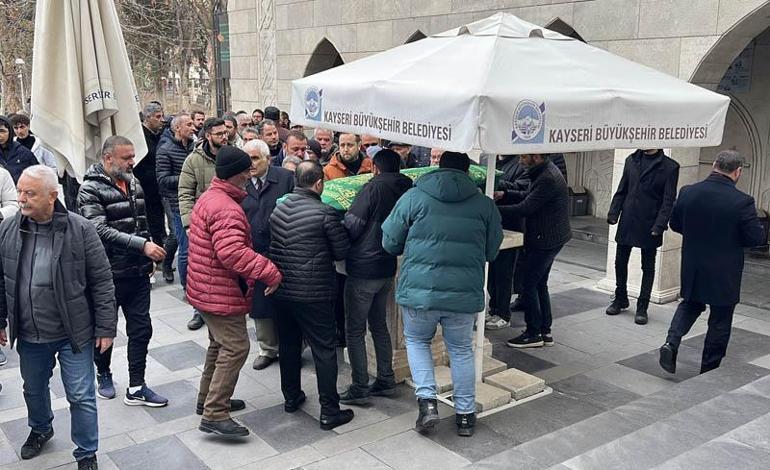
column 83, row 89
column 507, row 86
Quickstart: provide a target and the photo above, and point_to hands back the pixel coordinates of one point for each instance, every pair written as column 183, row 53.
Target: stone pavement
column 612, row 406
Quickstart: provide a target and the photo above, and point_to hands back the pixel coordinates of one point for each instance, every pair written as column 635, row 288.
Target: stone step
column 520, row 384
column 489, row 397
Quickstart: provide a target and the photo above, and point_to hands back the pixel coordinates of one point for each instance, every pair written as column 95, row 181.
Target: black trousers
column 537, row 300
column 500, row 283
column 717, row 335
column 156, row 217
column 315, row 322
column 622, row 255
column 132, row 295
column 339, row 307
column 170, row 244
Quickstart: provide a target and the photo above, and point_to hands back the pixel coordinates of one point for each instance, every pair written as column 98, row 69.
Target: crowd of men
column 237, row 202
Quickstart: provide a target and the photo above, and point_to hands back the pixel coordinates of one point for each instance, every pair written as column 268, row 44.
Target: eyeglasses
column 366, row 146
column 219, row 134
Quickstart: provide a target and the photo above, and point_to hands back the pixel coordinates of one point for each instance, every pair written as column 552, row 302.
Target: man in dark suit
column 717, row 221
column 268, row 184
column 643, row 203
column 545, row 208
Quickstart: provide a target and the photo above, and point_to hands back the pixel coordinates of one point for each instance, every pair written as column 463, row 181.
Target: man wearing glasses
column 197, row 172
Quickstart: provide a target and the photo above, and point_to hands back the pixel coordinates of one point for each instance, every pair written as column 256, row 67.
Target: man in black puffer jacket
column 13, row 156
column 371, row 270
column 307, row 237
column 168, row 166
column 113, row 200
column 546, row 210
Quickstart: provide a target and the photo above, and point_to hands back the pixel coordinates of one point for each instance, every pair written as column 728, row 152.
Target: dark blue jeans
column 181, row 250
column 537, row 300
column 37, row 361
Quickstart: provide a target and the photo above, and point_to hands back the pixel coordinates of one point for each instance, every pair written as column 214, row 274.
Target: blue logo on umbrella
column 313, row 103
column 528, row 123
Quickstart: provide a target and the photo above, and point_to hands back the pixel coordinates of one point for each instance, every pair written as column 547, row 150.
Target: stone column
column 667, row 264
column 268, row 67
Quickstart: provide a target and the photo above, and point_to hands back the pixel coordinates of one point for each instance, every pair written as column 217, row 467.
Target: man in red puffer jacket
column 220, row 281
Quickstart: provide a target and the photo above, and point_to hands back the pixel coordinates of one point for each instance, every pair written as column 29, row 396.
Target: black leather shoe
column 196, row 322
column 641, row 313
column 330, row 422
column 227, row 427
column 668, row 358
column 466, row 424
column 262, row 362
column 168, row 274
column 379, row 389
column 290, row 406
column 88, row 463
column 34, row 444
column 618, row 305
column 235, row 405
column 355, row 396
column 428, row 418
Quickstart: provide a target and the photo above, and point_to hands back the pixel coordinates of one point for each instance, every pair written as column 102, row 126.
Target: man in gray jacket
column 55, row 262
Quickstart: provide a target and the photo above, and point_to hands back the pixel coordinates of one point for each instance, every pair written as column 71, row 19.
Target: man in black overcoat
column 717, row 221
column 643, row 203
column 268, row 184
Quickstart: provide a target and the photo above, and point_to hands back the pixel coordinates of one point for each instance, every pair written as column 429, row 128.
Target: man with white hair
column 55, row 258
column 268, row 184
column 325, row 137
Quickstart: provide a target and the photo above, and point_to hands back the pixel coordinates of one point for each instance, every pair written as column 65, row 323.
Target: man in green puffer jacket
column 446, row 231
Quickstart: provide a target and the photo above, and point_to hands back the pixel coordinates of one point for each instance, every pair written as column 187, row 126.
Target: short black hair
column 212, row 122
column 456, row 161
column 387, row 161
column 308, row 173
column 258, row 111
column 230, row 117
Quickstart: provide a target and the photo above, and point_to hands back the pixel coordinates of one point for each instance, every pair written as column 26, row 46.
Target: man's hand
column 154, row 252
column 103, row 344
column 270, row 289
column 3, row 337
column 497, row 195
column 654, row 233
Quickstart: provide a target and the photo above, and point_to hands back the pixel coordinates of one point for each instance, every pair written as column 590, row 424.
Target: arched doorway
column 738, row 65
column 324, row 57
column 416, row 36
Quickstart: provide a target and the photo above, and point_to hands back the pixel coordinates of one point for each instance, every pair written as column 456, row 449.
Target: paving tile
column 578, row 438
column 645, row 448
column 12, row 395
column 721, row 414
column 179, row 356
column 744, row 345
column 17, row 431
column 291, row 460
column 354, row 460
column 409, row 450
column 721, row 453
column 182, row 398
column 687, row 366
column 220, row 453
column 115, row 417
column 629, row 379
column 366, row 435
column 762, row 361
column 519, row 360
column 597, row 392
column 506, row 460
column 484, row 442
column 166, row 452
column 575, row 301
column 528, row 424
column 520, row 384
column 753, row 433
column 283, row 431
column 562, row 408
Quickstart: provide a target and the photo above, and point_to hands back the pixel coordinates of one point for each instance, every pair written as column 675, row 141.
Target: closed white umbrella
column 83, row 89
column 507, row 86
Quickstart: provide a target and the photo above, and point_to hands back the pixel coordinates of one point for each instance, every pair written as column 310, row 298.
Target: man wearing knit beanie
column 223, row 268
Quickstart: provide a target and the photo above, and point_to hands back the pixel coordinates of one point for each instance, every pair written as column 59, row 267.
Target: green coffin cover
column 339, row 193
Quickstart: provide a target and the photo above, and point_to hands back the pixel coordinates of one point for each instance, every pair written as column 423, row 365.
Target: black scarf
column 28, row 142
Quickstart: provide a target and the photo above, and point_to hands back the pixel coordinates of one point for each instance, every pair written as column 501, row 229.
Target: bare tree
column 17, row 23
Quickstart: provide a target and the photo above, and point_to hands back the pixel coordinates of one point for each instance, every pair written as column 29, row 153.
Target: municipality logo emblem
column 313, row 103
column 528, row 123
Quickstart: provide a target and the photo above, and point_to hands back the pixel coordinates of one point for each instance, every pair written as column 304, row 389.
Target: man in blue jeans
column 446, row 231
column 55, row 261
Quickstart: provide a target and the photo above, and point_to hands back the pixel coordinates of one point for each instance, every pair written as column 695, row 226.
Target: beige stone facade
column 276, row 41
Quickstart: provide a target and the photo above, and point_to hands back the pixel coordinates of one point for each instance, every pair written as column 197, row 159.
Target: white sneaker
column 488, row 316
column 495, row 323
column 152, row 279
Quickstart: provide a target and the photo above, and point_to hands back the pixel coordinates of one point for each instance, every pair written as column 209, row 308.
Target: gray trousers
column 267, row 337
column 365, row 302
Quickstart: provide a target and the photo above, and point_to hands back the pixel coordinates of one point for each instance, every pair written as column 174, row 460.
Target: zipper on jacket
column 31, row 274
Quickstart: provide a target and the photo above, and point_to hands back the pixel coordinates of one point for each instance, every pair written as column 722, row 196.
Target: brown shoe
column 262, row 362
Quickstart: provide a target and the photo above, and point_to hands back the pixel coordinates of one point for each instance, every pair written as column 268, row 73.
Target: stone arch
column 562, row 27
column 325, row 56
column 416, row 36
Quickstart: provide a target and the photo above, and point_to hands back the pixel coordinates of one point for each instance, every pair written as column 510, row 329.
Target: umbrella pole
column 479, row 352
